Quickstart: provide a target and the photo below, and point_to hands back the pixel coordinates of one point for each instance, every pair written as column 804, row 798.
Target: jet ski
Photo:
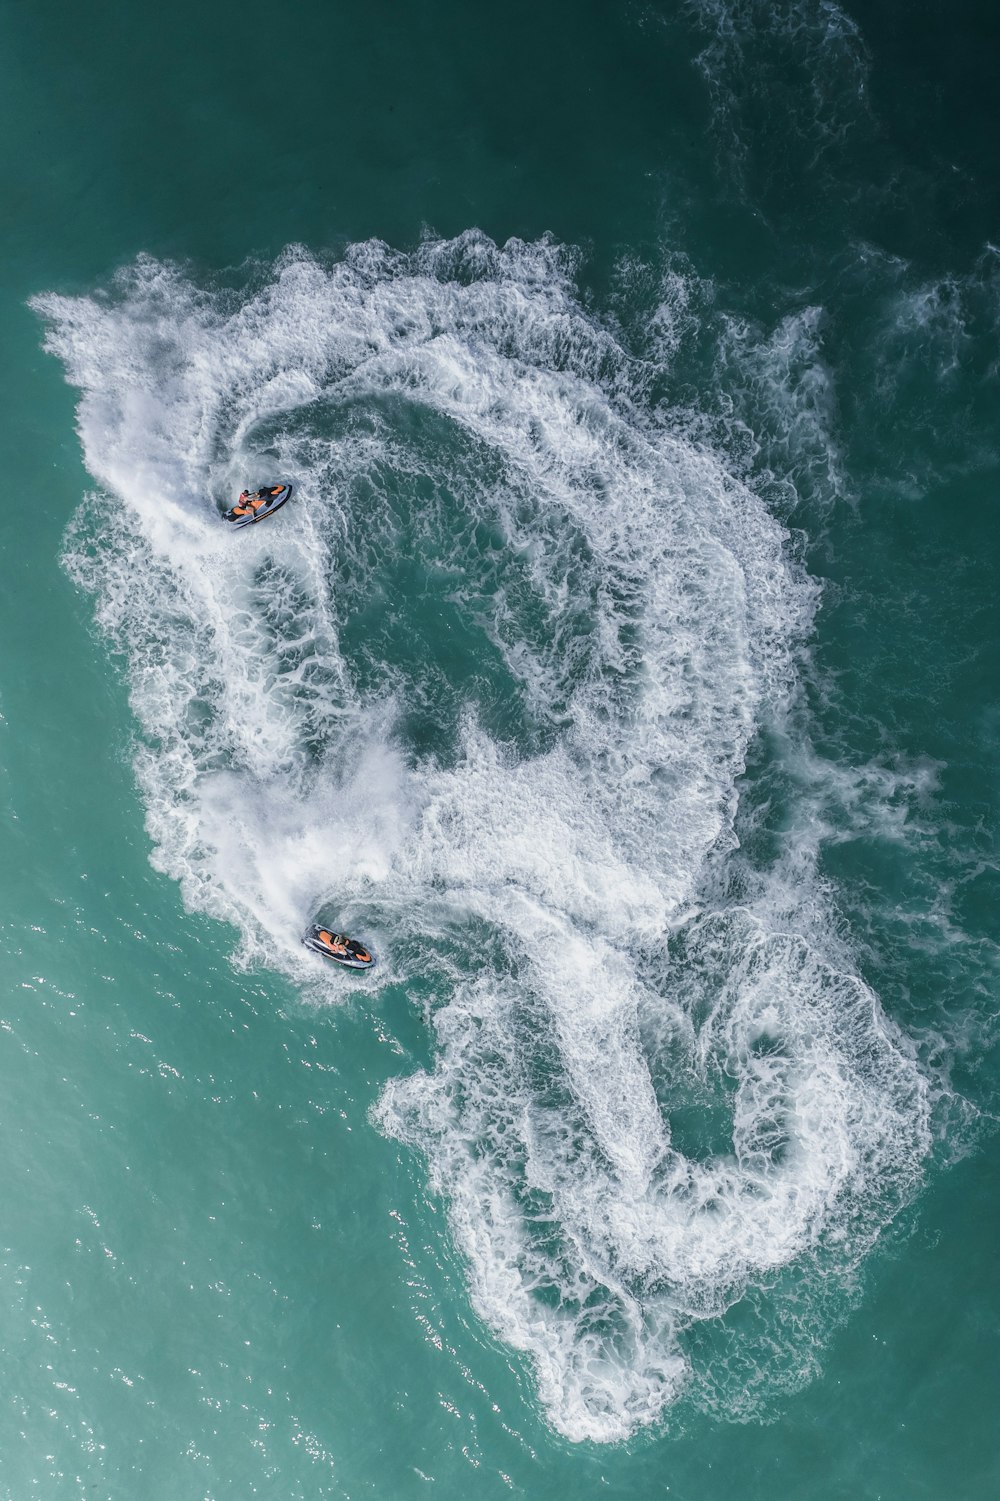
column 335, row 946
column 257, row 505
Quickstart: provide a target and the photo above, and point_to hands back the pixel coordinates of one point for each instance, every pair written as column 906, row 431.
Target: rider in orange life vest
column 339, row 943
column 253, row 502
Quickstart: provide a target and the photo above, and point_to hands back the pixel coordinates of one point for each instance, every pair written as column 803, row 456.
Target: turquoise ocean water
column 624, row 669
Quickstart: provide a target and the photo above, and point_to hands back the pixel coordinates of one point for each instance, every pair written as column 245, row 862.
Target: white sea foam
column 785, row 391
column 457, row 410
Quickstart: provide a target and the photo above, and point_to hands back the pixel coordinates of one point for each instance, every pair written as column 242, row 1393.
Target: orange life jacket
column 326, row 939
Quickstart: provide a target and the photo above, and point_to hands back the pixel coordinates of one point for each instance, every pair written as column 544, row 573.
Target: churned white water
column 489, row 680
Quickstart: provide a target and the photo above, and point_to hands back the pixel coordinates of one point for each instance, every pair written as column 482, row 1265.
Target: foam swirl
column 491, row 682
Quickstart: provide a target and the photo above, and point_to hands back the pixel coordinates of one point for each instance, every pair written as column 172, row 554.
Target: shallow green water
column 534, row 488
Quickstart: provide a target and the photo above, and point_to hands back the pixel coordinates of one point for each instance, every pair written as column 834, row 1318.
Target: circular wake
column 483, row 692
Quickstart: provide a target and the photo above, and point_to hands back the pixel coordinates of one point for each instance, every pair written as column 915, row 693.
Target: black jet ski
column 345, row 951
column 258, row 505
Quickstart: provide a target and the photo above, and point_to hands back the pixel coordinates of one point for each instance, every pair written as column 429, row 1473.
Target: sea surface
column 624, row 669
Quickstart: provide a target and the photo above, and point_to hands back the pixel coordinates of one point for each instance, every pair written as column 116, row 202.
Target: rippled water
column 621, row 670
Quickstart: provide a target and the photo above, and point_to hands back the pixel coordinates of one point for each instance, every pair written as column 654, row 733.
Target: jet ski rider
column 340, row 944
column 253, row 502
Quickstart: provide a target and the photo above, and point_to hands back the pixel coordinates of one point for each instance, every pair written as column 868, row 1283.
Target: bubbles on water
column 787, row 82
column 495, row 671
column 785, row 391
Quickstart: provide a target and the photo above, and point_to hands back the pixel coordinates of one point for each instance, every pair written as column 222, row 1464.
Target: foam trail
column 546, row 774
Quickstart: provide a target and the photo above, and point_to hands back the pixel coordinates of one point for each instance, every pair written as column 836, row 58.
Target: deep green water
column 625, row 666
